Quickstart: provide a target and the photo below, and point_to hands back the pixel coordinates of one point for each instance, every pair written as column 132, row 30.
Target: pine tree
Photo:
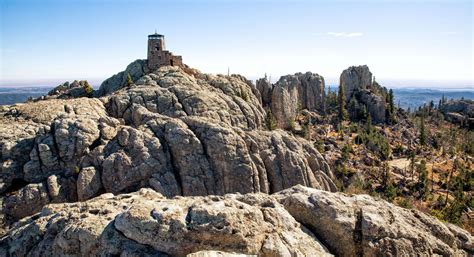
column 391, row 107
column 422, row 130
column 391, row 101
column 423, row 178
column 370, row 128
column 270, row 121
column 343, row 114
column 389, row 190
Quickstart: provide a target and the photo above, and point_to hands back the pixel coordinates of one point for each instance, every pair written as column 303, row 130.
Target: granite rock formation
column 362, row 91
column 71, row 90
column 291, row 94
column 265, row 89
column 177, row 133
column 298, row 221
column 135, row 69
column 459, row 112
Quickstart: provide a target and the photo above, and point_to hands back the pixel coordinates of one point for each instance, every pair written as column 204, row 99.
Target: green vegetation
column 390, row 111
column 346, row 150
column 305, row 129
column 423, row 182
column 319, row 145
column 292, row 124
column 270, row 121
column 331, row 100
column 388, row 188
column 341, row 100
column 244, row 95
column 405, row 202
column 453, row 210
column 129, row 80
column 374, row 140
column 422, row 130
column 87, row 88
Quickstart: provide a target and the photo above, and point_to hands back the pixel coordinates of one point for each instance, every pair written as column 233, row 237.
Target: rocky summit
column 175, row 162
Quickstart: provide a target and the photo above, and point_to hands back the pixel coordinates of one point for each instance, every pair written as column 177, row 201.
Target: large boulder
column 363, row 92
column 298, row 221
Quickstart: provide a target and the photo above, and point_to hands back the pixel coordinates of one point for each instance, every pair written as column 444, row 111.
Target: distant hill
column 12, row 95
column 414, row 97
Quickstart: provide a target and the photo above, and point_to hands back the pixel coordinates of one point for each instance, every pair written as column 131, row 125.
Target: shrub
column 319, row 145
column 346, row 150
column 292, row 124
column 87, row 88
column 405, row 203
column 244, row 95
column 129, row 80
column 305, row 131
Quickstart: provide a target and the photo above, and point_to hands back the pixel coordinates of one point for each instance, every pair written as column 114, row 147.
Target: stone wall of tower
column 158, row 56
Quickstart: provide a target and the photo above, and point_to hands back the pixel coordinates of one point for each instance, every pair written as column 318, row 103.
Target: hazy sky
column 399, row 40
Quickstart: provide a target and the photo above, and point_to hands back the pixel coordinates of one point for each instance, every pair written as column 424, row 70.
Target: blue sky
column 51, row 41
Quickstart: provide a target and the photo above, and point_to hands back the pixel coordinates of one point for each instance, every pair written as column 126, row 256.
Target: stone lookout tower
column 157, row 54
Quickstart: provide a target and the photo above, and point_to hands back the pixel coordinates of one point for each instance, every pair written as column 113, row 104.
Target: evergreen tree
column 423, row 178
column 389, row 190
column 422, row 130
column 343, row 114
column 391, row 106
column 270, row 121
column 370, row 128
column 431, row 107
column 391, row 99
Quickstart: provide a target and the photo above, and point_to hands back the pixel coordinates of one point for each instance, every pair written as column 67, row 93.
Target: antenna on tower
column 156, row 32
column 228, row 71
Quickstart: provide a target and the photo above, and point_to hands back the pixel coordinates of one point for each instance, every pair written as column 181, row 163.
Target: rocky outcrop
column 362, row 226
column 71, row 90
column 135, row 69
column 459, row 112
column 362, row 92
column 42, row 138
column 295, row 222
column 177, row 133
column 292, row 93
column 265, row 89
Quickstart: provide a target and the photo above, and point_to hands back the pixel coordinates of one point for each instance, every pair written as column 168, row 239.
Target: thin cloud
column 449, row 33
column 345, row 34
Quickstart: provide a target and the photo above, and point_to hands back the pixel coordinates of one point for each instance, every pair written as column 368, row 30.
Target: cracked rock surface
column 298, row 221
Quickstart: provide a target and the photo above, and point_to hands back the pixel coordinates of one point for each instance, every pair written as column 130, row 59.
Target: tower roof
column 155, row 35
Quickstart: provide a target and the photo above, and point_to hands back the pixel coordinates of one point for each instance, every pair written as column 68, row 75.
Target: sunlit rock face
column 176, row 132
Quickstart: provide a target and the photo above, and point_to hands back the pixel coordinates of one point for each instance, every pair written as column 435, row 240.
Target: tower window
column 158, row 48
